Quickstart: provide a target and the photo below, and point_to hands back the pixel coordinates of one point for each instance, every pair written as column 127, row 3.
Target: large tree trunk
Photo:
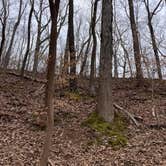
column 136, row 47
column 29, row 38
column 49, row 104
column 105, row 105
column 93, row 57
column 73, row 80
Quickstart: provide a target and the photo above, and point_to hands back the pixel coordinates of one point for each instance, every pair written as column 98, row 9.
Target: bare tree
column 49, row 104
column 8, row 53
column 3, row 20
column 38, row 17
column 93, row 57
column 73, row 80
column 152, row 34
column 29, row 38
column 136, row 46
column 122, row 43
column 105, row 105
column 88, row 44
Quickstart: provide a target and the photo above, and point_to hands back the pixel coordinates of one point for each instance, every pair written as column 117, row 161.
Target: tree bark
column 105, row 101
column 153, row 37
column 49, row 98
column 65, row 71
column 136, row 47
column 93, row 56
column 29, row 38
column 8, row 53
column 73, row 80
column 3, row 28
column 85, row 56
column 38, row 40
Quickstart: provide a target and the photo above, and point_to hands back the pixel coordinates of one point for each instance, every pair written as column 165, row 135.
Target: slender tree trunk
column 105, row 101
column 38, row 40
column 145, row 61
column 155, row 49
column 85, row 56
column 49, row 98
column 124, row 67
column 36, row 55
column 66, row 58
column 128, row 59
column 20, row 54
column 30, row 54
column 115, row 63
column 136, row 47
column 152, row 34
column 93, row 57
column 8, row 53
column 3, row 28
column 28, row 42
column 73, row 80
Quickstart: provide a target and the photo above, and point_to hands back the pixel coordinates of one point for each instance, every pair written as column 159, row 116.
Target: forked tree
column 152, row 33
column 105, row 105
column 9, row 50
column 49, row 104
column 93, row 56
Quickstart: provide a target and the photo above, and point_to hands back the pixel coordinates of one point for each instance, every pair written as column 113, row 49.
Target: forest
column 83, row 83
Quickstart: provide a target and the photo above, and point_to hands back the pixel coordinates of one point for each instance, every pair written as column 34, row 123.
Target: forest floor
column 21, row 141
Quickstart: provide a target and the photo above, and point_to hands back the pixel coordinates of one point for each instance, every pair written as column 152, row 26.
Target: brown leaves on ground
column 21, row 101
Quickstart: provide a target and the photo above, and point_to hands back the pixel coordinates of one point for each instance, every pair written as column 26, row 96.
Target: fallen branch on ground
column 128, row 114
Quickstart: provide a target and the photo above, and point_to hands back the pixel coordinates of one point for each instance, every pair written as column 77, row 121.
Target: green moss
column 113, row 133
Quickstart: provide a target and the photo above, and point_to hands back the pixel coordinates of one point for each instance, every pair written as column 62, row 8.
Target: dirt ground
column 21, row 141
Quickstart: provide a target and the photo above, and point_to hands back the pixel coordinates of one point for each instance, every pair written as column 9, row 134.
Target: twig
column 50, row 162
column 128, row 113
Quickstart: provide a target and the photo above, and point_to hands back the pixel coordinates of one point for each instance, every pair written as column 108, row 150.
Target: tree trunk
column 115, row 63
column 87, row 47
column 85, row 56
column 28, row 42
column 152, row 34
column 3, row 28
column 124, row 67
column 105, row 101
column 136, row 47
column 154, row 45
column 38, row 40
column 65, row 71
column 49, row 98
column 73, row 80
column 93, row 57
column 29, row 55
column 8, row 53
